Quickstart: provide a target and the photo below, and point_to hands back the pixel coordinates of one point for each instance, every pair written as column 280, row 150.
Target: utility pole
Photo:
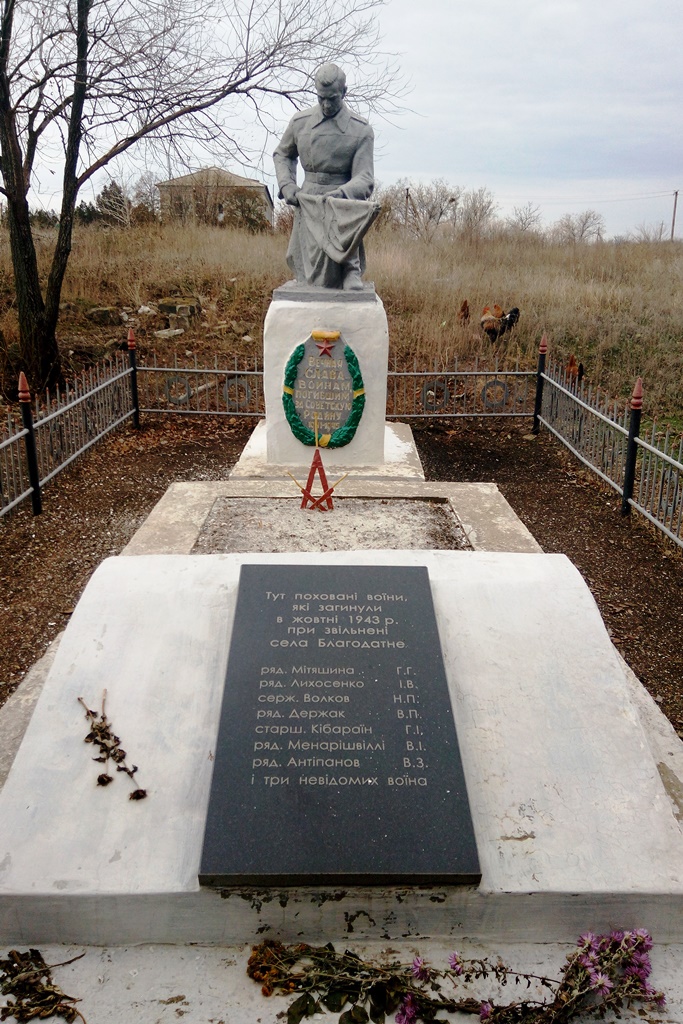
column 673, row 219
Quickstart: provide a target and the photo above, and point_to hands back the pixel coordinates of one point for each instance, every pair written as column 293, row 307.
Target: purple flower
column 588, row 941
column 419, row 969
column 588, row 960
column 644, row 938
column 601, row 983
column 455, row 963
column 485, row 1011
column 617, row 937
column 407, row 1011
column 636, row 972
column 642, row 962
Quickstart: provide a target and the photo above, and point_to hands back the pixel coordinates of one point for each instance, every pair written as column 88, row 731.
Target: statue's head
column 330, row 87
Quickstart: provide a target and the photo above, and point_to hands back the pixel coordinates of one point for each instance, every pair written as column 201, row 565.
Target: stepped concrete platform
column 575, row 823
column 401, row 460
column 159, row 984
column 575, row 776
column 176, row 522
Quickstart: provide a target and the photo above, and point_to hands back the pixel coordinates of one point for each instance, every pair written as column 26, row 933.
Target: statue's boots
column 352, row 281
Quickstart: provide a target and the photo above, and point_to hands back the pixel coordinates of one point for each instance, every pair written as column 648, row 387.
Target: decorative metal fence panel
column 447, row 394
column 69, row 424
column 14, row 481
column 593, row 427
column 202, row 391
column 658, row 492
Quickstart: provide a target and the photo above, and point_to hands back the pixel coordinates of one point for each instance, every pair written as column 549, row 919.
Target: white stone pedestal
column 575, row 820
column 363, row 325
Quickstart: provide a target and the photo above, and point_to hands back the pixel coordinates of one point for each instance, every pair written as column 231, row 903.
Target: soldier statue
column 332, row 213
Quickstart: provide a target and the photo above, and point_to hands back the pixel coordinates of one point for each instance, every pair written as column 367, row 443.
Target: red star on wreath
column 326, row 347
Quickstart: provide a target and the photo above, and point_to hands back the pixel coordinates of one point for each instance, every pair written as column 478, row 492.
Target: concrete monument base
column 400, row 459
column 363, row 326
column 575, row 820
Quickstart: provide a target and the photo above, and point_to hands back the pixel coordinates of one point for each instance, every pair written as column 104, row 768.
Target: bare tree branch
column 98, row 77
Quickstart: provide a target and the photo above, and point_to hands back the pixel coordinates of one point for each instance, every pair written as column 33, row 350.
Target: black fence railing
column 15, row 485
column 96, row 404
column 604, row 435
column 471, row 391
column 54, row 432
column 594, row 428
column 658, row 485
column 202, row 390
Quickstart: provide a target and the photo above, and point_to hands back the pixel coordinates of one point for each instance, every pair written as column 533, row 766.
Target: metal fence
column 69, row 424
column 658, row 490
column 601, row 433
column 202, row 391
column 605, row 436
column 15, row 485
column 447, row 394
column 61, row 428
column 439, row 392
column 591, row 425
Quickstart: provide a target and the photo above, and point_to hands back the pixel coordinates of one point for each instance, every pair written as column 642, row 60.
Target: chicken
column 464, row 314
column 495, row 322
column 574, row 372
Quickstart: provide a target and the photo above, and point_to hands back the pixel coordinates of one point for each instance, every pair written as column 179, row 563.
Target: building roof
column 212, row 176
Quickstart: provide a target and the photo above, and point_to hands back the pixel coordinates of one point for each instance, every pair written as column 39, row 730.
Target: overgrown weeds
column 616, row 306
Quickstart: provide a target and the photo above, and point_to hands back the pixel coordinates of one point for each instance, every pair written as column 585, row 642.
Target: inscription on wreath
column 337, row 739
column 323, row 386
column 323, row 392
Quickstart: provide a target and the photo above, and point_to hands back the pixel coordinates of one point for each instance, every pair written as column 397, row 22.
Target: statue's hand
column 337, row 194
column 290, row 195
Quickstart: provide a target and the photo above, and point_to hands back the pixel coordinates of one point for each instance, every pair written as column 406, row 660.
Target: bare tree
column 421, row 208
column 650, row 232
column 525, row 218
column 588, row 226
column 146, row 198
column 476, row 212
column 92, row 78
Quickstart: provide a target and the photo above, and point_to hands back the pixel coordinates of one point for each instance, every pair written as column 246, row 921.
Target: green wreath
column 342, row 435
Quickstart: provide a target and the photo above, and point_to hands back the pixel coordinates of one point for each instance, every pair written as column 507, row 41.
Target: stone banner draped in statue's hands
column 331, row 229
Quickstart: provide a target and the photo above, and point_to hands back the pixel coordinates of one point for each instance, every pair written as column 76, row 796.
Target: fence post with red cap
column 30, row 442
column 632, row 447
column 538, row 404
column 133, row 378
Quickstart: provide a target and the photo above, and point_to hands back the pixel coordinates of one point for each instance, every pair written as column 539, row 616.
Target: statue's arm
column 285, row 159
column 362, row 180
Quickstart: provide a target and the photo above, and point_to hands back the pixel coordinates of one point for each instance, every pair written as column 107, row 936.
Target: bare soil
column 92, row 510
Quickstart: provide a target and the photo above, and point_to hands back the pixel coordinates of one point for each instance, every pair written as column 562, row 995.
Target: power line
column 633, row 197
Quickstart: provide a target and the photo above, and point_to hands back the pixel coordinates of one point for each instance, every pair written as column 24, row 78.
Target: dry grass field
column 617, row 306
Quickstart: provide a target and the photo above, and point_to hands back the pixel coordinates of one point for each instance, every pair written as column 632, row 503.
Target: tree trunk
column 40, row 358
column 37, row 341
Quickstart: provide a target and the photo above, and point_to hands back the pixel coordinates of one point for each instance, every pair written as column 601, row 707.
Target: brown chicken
column 574, row 372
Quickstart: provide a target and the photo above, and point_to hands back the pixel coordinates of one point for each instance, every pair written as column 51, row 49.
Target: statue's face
column 330, row 98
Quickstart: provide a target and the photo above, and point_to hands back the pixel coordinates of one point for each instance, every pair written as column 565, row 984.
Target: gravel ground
column 93, row 509
column 267, row 524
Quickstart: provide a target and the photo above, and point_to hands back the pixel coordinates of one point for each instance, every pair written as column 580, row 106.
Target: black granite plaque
column 337, row 759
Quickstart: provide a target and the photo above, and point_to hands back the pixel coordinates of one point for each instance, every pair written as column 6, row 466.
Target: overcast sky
column 568, row 104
